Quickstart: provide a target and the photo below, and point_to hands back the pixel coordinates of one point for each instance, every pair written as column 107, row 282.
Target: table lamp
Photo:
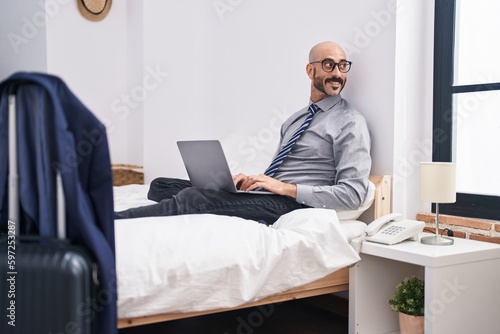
column 437, row 185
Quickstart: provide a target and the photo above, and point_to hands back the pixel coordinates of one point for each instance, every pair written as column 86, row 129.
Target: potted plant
column 408, row 300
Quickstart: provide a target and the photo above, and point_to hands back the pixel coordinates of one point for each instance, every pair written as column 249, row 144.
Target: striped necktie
column 285, row 150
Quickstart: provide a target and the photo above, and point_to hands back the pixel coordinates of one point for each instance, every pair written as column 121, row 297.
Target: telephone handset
column 392, row 228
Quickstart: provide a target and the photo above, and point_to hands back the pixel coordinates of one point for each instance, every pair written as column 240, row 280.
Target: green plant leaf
column 409, row 297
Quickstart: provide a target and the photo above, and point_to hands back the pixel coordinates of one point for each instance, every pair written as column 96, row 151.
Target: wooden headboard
column 382, row 203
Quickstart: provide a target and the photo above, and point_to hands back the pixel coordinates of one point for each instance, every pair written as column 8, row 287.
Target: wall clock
column 94, row 10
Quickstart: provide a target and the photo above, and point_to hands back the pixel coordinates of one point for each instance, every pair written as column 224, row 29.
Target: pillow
column 354, row 214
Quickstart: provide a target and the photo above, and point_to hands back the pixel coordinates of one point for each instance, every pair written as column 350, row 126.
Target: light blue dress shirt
column 331, row 162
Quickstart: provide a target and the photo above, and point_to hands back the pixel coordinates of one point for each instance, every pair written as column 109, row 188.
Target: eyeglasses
column 328, row 65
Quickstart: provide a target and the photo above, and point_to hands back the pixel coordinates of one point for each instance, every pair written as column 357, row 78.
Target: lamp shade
column 437, row 182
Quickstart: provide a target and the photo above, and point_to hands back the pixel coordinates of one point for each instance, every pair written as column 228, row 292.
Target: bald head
column 321, row 50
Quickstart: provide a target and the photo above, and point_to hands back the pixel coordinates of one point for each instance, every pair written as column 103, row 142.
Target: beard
column 320, row 83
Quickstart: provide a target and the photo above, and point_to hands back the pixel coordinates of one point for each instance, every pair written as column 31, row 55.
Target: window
column 466, row 121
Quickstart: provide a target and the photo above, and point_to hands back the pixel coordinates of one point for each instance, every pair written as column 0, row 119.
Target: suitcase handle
column 13, row 172
column 13, row 191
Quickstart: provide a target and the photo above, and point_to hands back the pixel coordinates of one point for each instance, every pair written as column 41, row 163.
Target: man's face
column 325, row 81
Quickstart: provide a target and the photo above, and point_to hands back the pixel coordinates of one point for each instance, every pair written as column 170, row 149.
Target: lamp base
column 437, row 240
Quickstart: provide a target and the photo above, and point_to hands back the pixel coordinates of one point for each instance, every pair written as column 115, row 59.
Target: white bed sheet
column 203, row 262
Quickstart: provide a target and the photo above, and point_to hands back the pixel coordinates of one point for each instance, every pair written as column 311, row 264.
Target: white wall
column 22, row 38
column 159, row 71
column 413, row 102
column 91, row 57
column 237, row 70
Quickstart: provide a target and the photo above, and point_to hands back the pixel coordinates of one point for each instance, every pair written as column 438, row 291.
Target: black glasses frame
column 327, row 69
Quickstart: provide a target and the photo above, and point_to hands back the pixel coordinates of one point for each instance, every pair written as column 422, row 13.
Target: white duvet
column 204, row 262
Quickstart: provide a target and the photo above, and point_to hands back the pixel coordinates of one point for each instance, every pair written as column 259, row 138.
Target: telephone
column 392, row 228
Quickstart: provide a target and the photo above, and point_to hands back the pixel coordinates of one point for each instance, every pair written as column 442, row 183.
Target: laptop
column 207, row 166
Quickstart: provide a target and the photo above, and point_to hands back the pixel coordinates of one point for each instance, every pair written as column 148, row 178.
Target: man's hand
column 245, row 182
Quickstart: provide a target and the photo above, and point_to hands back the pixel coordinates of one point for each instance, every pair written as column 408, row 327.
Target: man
column 323, row 159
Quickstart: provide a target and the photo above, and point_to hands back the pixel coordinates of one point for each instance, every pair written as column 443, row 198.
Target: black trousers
column 178, row 197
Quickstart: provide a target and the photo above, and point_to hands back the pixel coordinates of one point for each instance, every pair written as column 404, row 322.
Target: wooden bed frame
column 334, row 282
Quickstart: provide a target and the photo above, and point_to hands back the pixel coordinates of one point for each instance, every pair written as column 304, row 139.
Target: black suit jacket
column 56, row 131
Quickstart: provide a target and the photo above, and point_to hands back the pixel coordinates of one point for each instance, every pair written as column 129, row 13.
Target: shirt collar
column 328, row 102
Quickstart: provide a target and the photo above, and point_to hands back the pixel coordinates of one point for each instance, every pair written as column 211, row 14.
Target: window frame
column 466, row 205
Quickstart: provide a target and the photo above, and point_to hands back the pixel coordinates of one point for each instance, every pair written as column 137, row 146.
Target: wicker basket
column 127, row 174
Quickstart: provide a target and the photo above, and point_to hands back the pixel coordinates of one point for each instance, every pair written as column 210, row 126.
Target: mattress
column 204, row 262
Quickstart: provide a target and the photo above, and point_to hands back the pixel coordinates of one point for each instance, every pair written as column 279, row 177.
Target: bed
column 184, row 266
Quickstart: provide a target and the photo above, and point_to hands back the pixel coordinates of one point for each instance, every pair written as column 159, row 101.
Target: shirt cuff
column 304, row 194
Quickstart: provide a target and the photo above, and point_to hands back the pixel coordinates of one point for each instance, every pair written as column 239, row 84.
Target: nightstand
column 462, row 286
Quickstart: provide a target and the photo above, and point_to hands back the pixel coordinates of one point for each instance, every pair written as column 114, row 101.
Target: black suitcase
column 47, row 284
column 46, row 287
